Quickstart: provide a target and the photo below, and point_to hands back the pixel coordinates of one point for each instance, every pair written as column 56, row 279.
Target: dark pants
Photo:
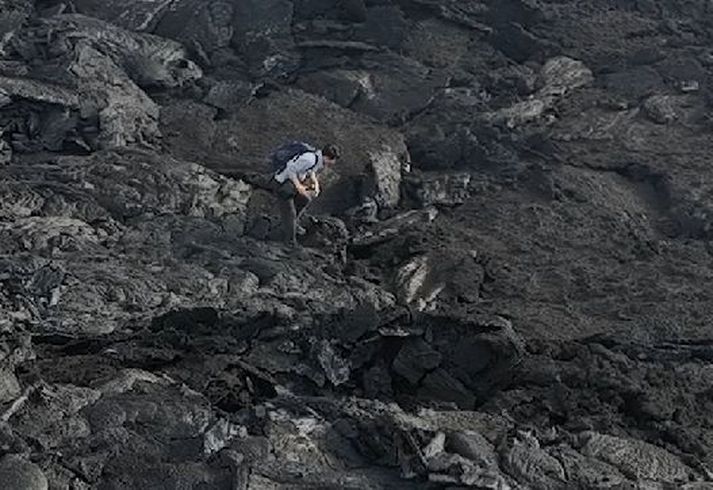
column 292, row 206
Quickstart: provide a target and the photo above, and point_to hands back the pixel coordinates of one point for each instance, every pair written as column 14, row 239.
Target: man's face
column 328, row 162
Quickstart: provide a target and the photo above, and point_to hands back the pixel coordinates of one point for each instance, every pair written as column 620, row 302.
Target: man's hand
column 314, row 184
column 301, row 189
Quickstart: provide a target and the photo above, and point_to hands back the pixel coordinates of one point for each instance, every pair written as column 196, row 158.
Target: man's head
column 330, row 154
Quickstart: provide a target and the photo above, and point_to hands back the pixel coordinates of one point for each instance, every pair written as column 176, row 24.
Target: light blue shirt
column 301, row 166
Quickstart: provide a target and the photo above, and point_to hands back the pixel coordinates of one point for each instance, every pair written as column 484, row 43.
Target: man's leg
column 301, row 204
column 289, row 220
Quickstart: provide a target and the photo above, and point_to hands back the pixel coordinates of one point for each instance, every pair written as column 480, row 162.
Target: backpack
column 287, row 152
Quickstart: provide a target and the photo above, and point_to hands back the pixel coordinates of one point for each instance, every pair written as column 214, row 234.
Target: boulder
column 189, row 128
column 205, row 28
column 9, row 386
column 436, row 43
column 287, row 115
column 342, row 87
column 588, row 471
column 661, row 109
column 443, row 387
column 22, row 88
column 480, row 350
column 44, row 236
column 417, row 284
column 398, row 88
column 558, row 77
column 634, row 83
column 384, row 25
column 385, row 169
column 519, row 114
column 125, row 113
column 428, row 189
column 636, row 459
column 229, row 96
column 532, row 465
column 17, row 473
column 472, row 445
column 13, row 14
column 134, row 15
column 391, row 228
column 334, row 366
column 263, row 36
column 562, row 75
column 150, row 61
column 101, row 102
column 415, row 359
column 351, row 10
column 422, row 280
column 5, row 152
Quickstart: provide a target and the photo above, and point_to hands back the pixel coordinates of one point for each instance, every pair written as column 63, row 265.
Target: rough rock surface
column 503, row 285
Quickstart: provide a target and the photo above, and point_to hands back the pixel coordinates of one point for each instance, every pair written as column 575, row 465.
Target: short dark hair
column 331, row 151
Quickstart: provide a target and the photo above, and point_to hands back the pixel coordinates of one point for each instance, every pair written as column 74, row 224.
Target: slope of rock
column 503, row 285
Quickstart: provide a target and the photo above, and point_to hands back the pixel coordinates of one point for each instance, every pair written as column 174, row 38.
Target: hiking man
column 294, row 180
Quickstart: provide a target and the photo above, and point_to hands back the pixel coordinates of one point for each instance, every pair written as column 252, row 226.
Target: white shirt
column 301, row 166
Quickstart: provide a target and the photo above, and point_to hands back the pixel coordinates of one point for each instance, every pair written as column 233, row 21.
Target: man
column 295, row 181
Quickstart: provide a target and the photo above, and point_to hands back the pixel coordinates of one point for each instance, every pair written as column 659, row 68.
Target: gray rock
column 46, row 235
column 428, row 189
column 21, row 88
column 558, row 77
column 392, row 227
column 417, row 284
column 481, row 351
column 634, row 83
column 16, row 473
column 340, row 86
column 9, row 386
column 12, row 15
column 636, row 459
column 530, row 464
column 148, row 60
column 126, row 114
column 441, row 386
column 220, row 435
column 415, row 359
column 398, row 88
column 377, row 382
column 385, row 25
column 335, row 367
column 5, row 152
column 519, row 114
column 661, row 109
column 472, row 445
column 206, row 28
column 104, row 67
column 136, row 15
column 562, row 75
column 588, row 471
column 263, row 35
column 386, row 165
column 229, row 96
column 348, row 46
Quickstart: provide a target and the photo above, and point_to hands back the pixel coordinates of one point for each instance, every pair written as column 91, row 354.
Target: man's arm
column 301, row 189
column 315, row 182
